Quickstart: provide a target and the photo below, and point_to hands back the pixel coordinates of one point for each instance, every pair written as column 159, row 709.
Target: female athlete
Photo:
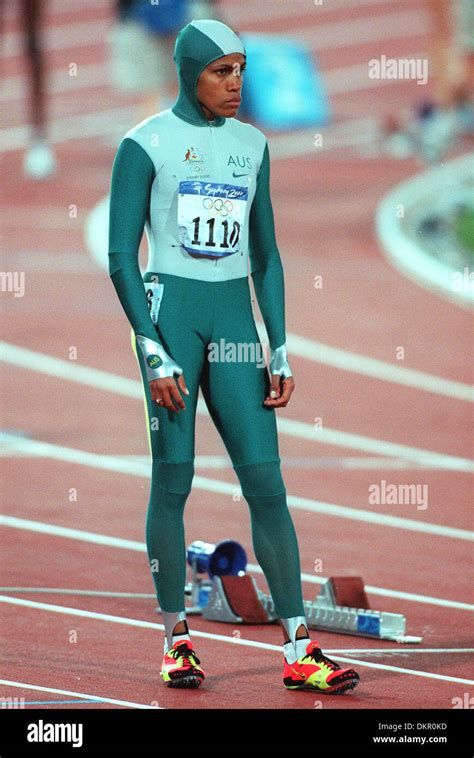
column 197, row 180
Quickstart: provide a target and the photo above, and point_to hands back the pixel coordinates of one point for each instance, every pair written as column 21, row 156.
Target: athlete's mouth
column 233, row 102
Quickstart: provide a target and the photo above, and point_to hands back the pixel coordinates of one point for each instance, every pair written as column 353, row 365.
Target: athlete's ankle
column 180, row 628
column 176, row 627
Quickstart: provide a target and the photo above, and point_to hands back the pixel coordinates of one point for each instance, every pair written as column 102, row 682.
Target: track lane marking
column 30, row 360
column 111, row 463
column 323, row 34
column 216, row 637
column 118, row 542
column 28, row 686
column 309, row 349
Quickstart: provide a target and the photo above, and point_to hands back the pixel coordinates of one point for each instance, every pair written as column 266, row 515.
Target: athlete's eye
column 225, row 71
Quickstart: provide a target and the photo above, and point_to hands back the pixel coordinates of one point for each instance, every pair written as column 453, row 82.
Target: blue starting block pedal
column 283, row 88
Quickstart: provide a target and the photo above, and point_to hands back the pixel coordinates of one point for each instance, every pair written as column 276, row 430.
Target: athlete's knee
column 263, row 478
column 173, row 477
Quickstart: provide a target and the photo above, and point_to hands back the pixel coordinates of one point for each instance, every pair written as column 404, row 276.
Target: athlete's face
column 219, row 88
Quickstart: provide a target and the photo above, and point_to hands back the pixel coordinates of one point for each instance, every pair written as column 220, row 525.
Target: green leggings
column 192, row 315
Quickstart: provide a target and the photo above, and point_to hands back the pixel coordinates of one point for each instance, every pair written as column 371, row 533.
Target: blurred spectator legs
column 39, row 161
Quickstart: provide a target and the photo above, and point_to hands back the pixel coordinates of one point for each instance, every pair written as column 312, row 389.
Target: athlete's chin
column 230, row 108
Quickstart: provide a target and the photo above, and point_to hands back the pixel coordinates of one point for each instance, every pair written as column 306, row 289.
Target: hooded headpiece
column 197, row 45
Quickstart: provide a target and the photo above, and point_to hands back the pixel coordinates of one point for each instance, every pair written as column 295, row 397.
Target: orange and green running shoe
column 180, row 667
column 315, row 672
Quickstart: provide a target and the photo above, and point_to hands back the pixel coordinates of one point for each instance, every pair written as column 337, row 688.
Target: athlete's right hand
column 165, row 392
column 160, row 370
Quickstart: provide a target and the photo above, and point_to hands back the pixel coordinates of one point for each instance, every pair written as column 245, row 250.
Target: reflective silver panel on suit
column 168, row 366
column 279, row 362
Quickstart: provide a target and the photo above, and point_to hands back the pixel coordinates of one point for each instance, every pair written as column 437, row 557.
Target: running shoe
column 315, row 671
column 180, row 667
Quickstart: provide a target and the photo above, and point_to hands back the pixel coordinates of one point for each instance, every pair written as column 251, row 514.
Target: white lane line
column 356, row 463
column 350, row 33
column 96, row 231
column 325, row 436
column 355, row 78
column 73, row 534
column 85, row 593
column 66, row 128
column 264, row 10
column 400, row 670
column 348, row 133
column 92, row 76
column 290, row 461
column 217, row 637
column 319, row 35
column 33, row 361
column 97, row 124
column 67, row 36
column 411, row 597
column 117, row 542
column 405, row 651
column 64, row 8
column 271, row 10
column 111, row 463
column 337, row 81
column 83, row 695
column 253, row 569
column 71, row 371
column 377, row 369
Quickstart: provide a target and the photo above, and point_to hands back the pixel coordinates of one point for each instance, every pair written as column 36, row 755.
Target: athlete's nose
column 235, row 83
column 235, row 93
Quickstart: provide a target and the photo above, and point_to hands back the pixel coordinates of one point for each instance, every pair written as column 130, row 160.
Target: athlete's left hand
column 283, row 387
column 282, row 382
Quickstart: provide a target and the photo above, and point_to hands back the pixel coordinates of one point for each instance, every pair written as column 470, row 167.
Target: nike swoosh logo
column 236, row 176
column 297, row 673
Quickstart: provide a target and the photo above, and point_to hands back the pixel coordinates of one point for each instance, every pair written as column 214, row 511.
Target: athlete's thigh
column 171, row 434
column 235, row 384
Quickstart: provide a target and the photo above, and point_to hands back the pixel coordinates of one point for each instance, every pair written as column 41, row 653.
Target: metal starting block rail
column 341, row 606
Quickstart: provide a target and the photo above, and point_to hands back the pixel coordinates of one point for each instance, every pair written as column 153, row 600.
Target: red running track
column 324, row 206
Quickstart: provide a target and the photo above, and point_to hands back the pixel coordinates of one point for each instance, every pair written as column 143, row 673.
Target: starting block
column 237, row 599
column 341, row 606
column 232, row 596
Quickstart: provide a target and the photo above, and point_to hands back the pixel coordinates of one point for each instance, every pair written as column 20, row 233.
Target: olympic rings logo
column 220, row 206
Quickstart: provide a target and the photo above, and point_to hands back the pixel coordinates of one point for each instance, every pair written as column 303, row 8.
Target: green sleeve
column 132, row 176
column 265, row 263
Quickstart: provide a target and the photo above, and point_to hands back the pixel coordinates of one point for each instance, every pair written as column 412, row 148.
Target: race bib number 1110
column 210, row 217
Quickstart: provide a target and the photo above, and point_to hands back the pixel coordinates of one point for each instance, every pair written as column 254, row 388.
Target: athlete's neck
column 188, row 108
column 208, row 114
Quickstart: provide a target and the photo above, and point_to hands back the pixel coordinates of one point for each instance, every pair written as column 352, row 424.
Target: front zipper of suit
column 215, row 173
column 216, row 176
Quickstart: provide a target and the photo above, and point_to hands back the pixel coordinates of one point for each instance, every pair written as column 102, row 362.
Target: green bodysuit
column 200, row 189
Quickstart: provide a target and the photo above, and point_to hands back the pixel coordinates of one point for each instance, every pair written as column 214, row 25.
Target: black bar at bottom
column 319, row 731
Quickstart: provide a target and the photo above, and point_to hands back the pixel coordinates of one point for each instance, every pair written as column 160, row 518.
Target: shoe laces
column 186, row 654
column 317, row 655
